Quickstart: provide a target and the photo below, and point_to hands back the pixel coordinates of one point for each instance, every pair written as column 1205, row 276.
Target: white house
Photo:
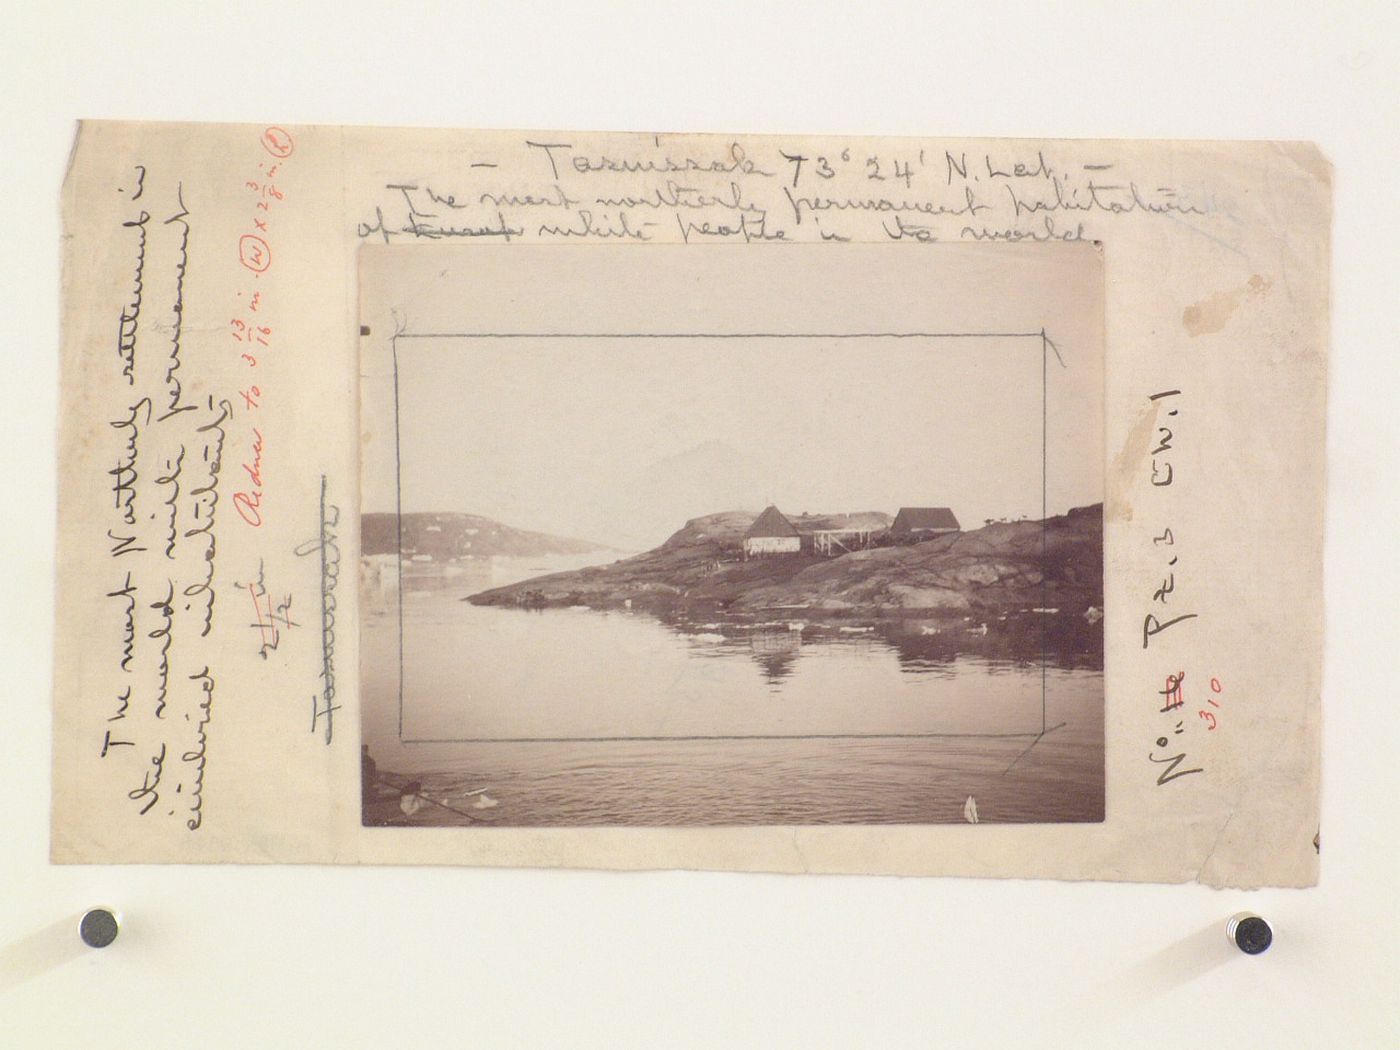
column 771, row 533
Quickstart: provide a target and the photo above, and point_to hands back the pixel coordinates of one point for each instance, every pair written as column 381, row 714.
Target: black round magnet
column 98, row 928
column 1249, row 933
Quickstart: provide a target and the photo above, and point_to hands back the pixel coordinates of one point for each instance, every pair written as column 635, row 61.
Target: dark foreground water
column 579, row 717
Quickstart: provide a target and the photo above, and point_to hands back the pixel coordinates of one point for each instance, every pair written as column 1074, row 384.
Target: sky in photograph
column 622, row 441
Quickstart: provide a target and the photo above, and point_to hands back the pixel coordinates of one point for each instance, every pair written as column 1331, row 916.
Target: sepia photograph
column 719, row 575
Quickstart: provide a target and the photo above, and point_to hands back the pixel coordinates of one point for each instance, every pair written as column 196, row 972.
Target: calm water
column 774, row 720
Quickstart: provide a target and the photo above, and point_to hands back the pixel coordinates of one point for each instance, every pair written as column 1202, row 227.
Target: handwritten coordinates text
column 560, row 190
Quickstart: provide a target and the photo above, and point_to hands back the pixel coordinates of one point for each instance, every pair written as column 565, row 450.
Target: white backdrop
column 272, row 957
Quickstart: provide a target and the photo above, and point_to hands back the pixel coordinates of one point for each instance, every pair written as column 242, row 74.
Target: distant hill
column 447, row 537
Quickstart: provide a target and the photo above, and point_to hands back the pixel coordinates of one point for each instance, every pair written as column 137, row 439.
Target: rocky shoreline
column 989, row 579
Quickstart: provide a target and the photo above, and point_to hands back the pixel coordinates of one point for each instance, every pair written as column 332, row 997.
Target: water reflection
column 776, row 654
column 664, row 717
column 920, row 646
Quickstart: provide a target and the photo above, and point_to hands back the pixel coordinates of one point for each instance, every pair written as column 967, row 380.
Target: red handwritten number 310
column 1209, row 716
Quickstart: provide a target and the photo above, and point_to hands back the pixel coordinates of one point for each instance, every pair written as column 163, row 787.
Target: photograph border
column 1047, row 346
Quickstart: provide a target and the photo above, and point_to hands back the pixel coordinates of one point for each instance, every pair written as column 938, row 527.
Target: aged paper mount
column 207, row 692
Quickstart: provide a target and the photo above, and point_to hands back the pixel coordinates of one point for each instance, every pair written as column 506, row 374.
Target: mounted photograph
column 721, row 537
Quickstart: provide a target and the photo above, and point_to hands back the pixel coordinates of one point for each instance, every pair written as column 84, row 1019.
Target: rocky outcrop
column 1008, row 567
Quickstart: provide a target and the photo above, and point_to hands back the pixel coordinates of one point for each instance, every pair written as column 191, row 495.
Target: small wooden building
column 771, row 533
column 836, row 534
column 923, row 522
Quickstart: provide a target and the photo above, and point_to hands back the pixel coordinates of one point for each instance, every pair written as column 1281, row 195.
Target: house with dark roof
column 923, row 523
column 771, row 533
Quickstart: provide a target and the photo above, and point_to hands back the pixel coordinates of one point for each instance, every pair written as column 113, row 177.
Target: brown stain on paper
column 1210, row 315
column 1126, row 465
